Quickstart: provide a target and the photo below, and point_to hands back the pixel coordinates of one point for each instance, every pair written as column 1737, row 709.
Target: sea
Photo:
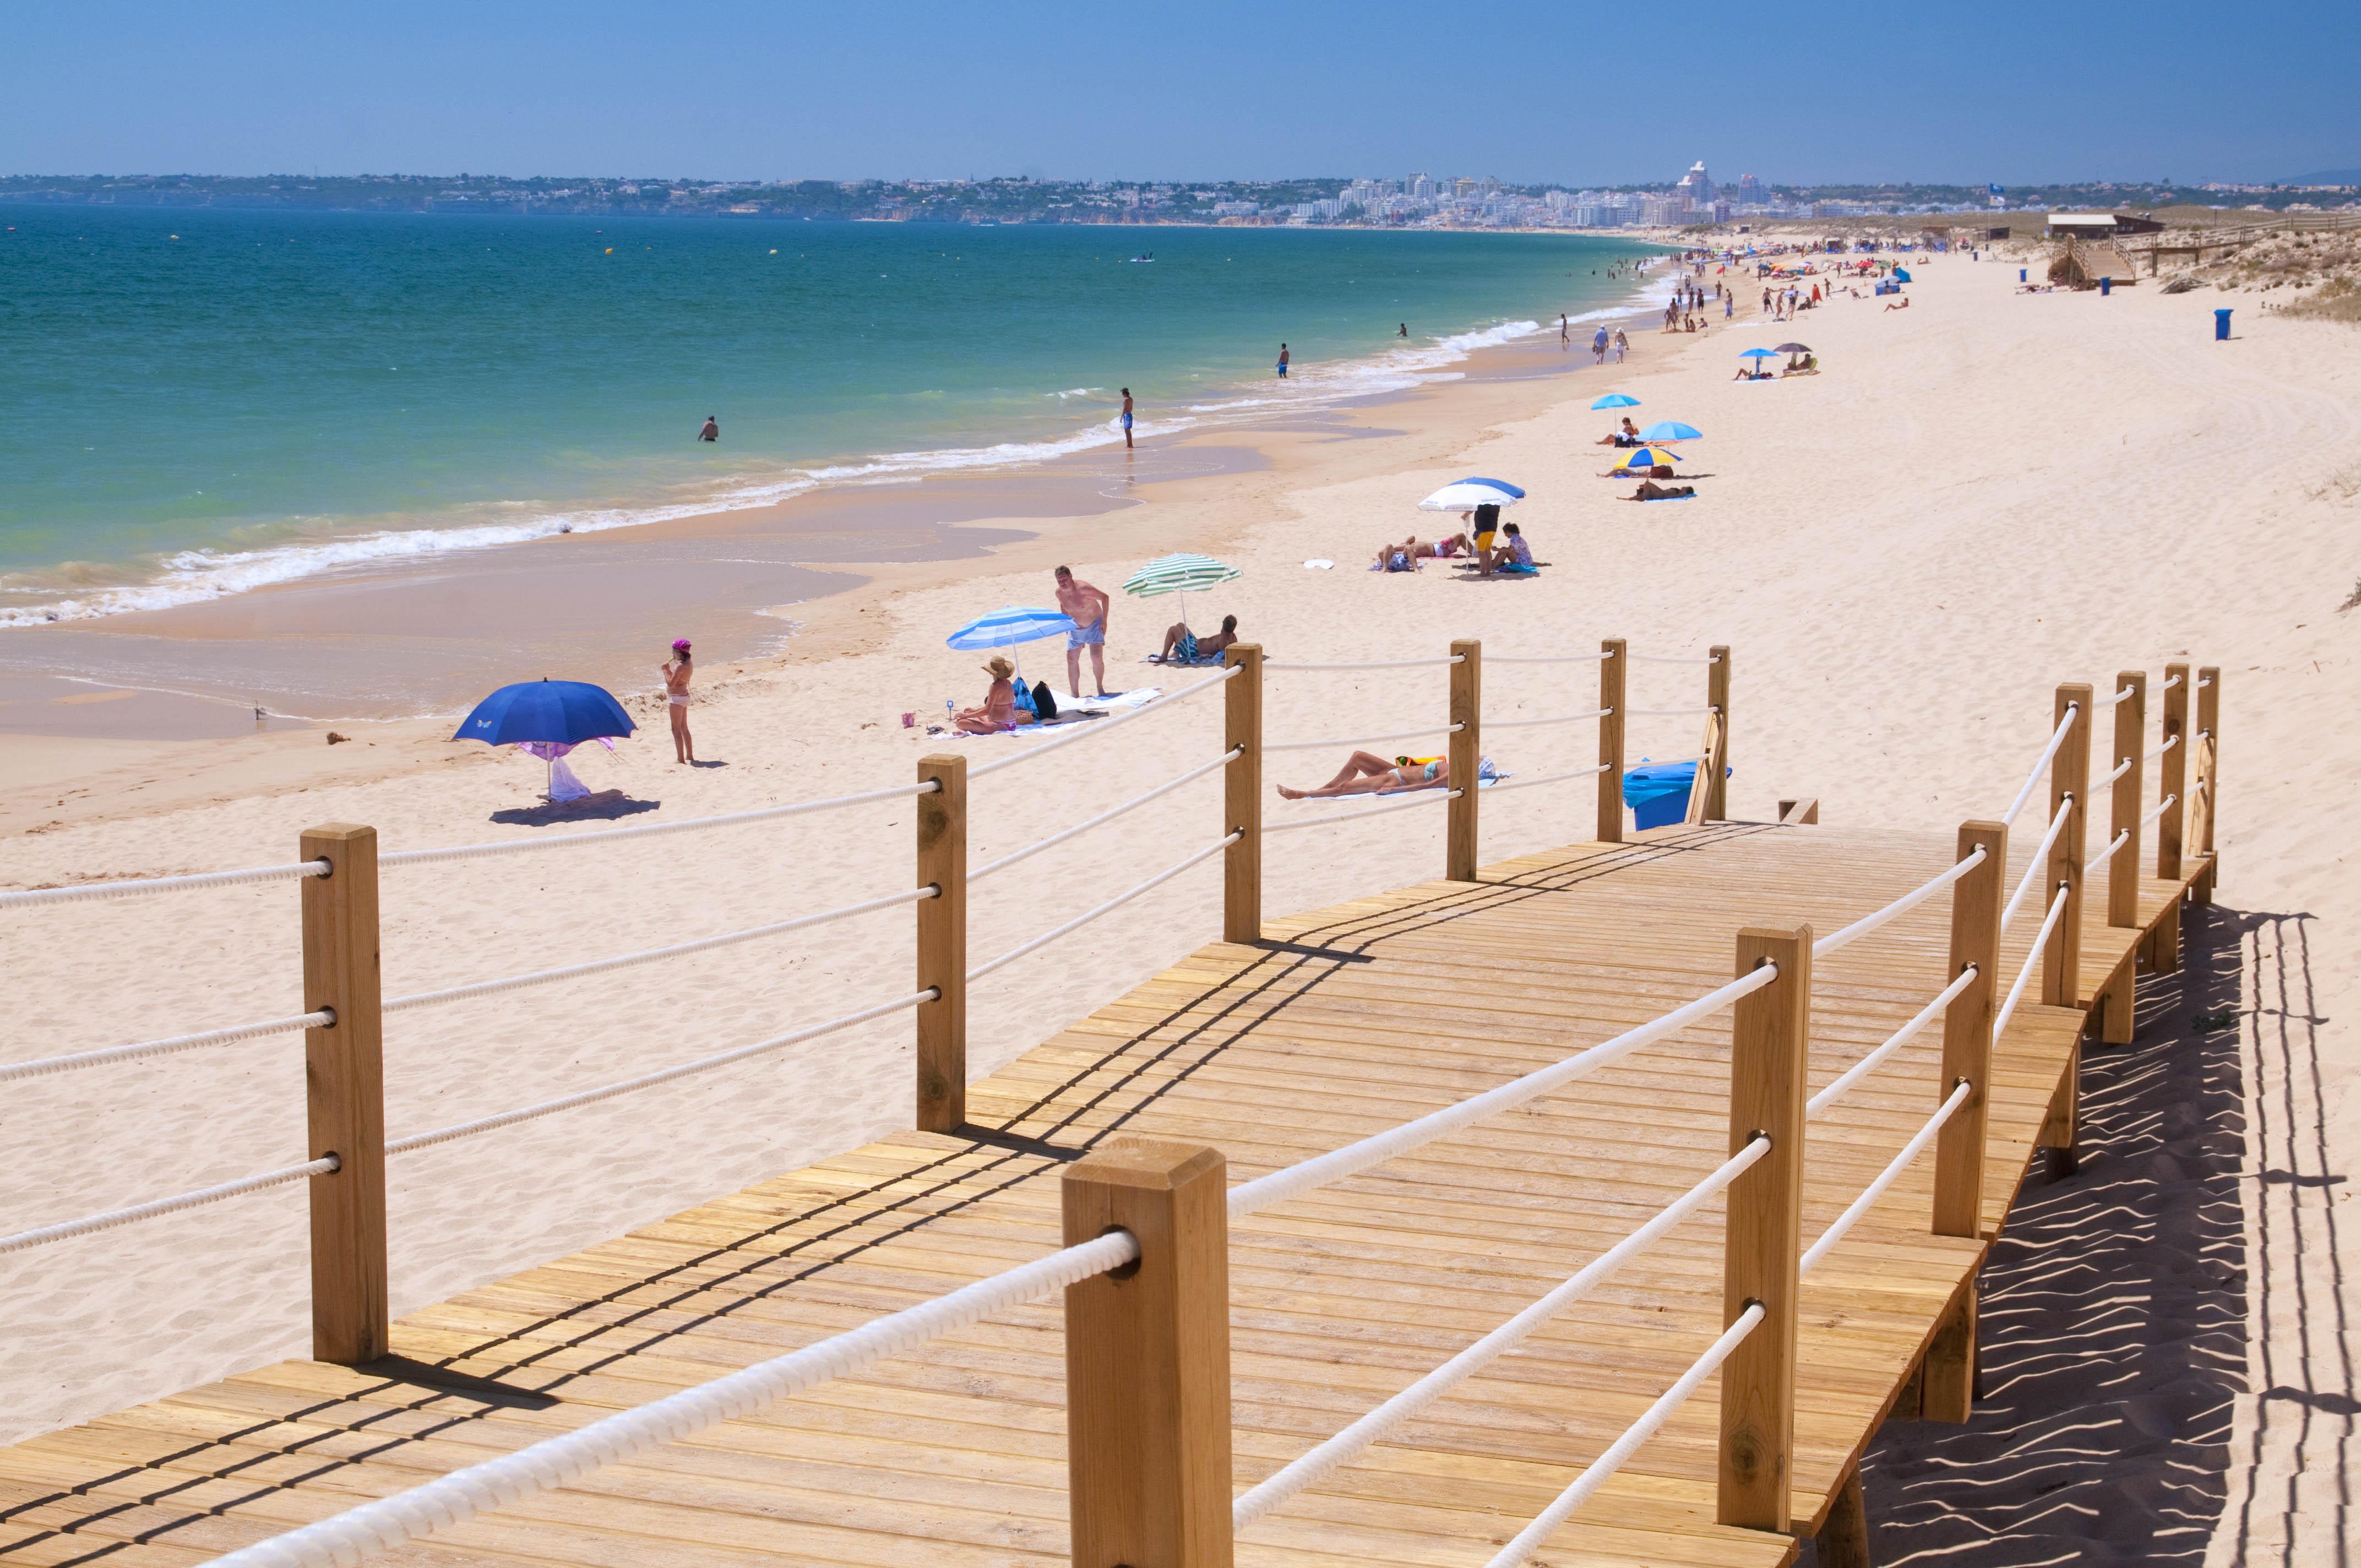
column 203, row 401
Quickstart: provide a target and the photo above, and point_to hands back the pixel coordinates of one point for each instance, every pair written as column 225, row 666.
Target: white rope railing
column 2110, row 701
column 1886, row 1179
column 1120, row 899
column 2041, row 764
column 1590, row 772
column 1596, row 1475
column 1296, row 1180
column 1546, row 658
column 1900, row 906
column 2158, row 809
column 1372, row 664
column 202, row 1195
column 2169, row 682
column 1136, row 800
column 348, row 1538
column 1843, row 1083
column 1311, row 1468
column 1100, row 726
column 651, row 829
column 1561, row 719
column 1670, row 712
column 1419, row 797
column 647, row 1080
column 2202, row 685
column 88, row 890
column 2170, row 742
column 1670, row 659
column 2032, row 962
column 2040, row 861
column 1363, row 739
column 42, row 1068
column 2104, row 780
column 2101, row 858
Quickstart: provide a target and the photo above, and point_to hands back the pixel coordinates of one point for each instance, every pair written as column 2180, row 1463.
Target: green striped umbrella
column 1178, row 574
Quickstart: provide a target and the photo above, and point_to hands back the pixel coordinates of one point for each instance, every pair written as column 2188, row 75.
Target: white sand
column 1905, row 552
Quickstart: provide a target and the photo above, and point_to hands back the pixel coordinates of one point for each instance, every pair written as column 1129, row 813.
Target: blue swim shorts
column 1127, row 422
column 1087, row 636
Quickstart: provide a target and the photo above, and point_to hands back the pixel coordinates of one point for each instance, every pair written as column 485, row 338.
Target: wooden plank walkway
column 1344, row 1021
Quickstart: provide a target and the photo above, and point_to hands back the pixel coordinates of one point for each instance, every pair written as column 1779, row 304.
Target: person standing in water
column 1127, row 419
column 1282, row 362
column 676, row 672
column 1564, row 331
column 1405, row 330
column 712, row 430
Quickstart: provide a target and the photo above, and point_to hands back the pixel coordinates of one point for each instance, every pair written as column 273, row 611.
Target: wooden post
column 1610, row 741
column 1242, row 798
column 1946, row 1373
column 1768, row 1046
column 942, row 945
column 2069, row 776
column 2172, row 779
column 1844, row 1539
column 2116, row 1003
column 1148, row 1360
column 2206, row 804
column 344, row 1077
column 1717, row 696
column 1460, row 841
column 1976, row 900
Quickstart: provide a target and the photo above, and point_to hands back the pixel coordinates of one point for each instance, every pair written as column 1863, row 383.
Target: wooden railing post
column 2070, row 775
column 2117, row 1002
column 343, row 1073
column 2205, row 805
column 942, row 945
column 1460, row 841
column 1610, row 741
column 1717, row 696
column 1768, row 1046
column 1148, row 1360
column 1242, row 797
column 1948, row 1374
column 2172, row 779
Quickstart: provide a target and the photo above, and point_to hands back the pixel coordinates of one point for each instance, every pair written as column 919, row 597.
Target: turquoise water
column 202, row 401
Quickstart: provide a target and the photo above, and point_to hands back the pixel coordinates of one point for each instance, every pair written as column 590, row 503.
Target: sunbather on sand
column 1366, row 772
column 1190, row 648
column 1660, row 471
column 999, row 711
column 1650, row 490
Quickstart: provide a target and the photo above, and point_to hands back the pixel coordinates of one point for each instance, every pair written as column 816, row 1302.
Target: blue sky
column 2007, row 92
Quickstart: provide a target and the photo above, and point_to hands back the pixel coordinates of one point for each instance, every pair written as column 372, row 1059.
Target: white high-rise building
column 1698, row 185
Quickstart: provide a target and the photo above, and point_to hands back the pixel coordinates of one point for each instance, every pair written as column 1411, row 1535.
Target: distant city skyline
column 745, row 92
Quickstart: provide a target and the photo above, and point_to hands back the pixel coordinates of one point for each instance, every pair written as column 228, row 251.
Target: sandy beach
column 1906, row 555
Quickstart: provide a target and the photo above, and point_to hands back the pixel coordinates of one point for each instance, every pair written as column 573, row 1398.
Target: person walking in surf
column 1282, row 362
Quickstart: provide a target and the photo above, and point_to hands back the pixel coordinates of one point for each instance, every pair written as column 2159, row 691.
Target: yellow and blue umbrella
column 1643, row 458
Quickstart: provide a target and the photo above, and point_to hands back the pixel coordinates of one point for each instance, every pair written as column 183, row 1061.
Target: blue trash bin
column 2220, row 326
column 2106, row 286
column 2020, row 274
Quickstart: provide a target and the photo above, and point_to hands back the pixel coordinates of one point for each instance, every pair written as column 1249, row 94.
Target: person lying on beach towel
column 1650, row 490
column 1364, row 772
column 1660, row 471
column 1415, row 549
column 1184, row 647
column 999, row 711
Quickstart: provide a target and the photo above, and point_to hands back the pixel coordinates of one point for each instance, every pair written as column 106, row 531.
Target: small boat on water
column 1146, row 255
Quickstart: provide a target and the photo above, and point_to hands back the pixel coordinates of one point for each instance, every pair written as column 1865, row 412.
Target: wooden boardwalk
column 1343, row 1022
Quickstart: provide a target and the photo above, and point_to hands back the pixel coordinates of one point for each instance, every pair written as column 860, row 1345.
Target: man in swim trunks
column 1364, row 772
column 1127, row 419
column 712, row 430
column 1282, row 362
column 1086, row 606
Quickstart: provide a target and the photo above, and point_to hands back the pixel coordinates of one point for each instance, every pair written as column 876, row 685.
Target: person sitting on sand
column 1511, row 551
column 1364, row 772
column 1809, row 365
column 1184, row 647
column 999, row 711
column 1901, row 304
column 1627, row 436
column 1650, row 490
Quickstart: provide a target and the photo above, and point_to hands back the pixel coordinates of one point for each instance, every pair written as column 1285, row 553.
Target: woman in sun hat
column 676, row 672
column 999, row 711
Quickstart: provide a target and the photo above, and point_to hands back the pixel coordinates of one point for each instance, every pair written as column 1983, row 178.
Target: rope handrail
column 2158, row 809
column 2104, row 780
column 1884, row 1178
column 1842, row 1084
column 42, row 1066
column 2204, row 683
column 1100, row 726
column 1597, row 1474
column 347, row 1536
column 1561, row 719
column 458, row 1130
column 1589, row 773
column 1225, row 760
column 2032, row 958
column 2169, row 682
column 1159, row 880
column 1294, row 1180
column 1671, row 658
column 137, row 885
column 2117, row 842
column 1546, row 658
column 1309, row 1468
column 114, row 1217
column 1419, row 797
column 2040, row 859
column 2170, row 742
column 2041, row 764
column 1371, row 665
column 649, row 830
column 1363, row 740
column 1670, row 712
column 1900, row 906
column 2110, row 701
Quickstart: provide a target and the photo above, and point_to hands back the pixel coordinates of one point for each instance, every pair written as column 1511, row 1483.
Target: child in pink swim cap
column 676, row 671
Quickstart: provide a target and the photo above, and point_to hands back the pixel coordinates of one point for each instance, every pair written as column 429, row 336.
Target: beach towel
column 1659, row 795
column 1690, row 497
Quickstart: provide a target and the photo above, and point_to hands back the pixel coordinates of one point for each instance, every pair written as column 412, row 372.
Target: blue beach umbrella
column 1672, row 430
column 1466, row 495
column 1760, row 354
column 1010, row 624
column 556, row 712
column 1502, row 485
column 1615, row 400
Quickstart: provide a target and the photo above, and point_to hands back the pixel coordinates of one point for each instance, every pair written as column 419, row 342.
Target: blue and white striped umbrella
column 1011, row 624
column 1179, row 574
